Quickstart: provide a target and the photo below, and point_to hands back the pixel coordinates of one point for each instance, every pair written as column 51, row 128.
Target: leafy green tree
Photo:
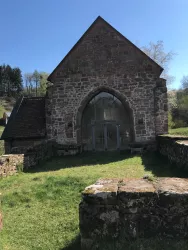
column 184, row 82
column 43, row 83
column 35, row 83
column 11, row 83
column 182, row 99
column 16, row 81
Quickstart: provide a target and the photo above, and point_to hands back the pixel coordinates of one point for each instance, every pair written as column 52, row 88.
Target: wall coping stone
column 103, row 187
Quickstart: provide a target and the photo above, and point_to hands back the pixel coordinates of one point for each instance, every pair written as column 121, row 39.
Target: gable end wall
column 103, row 59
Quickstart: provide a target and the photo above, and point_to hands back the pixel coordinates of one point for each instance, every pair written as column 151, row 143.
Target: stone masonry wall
column 12, row 163
column 161, row 107
column 115, row 210
column 175, row 148
column 21, row 146
column 9, row 164
column 102, row 61
column 38, row 154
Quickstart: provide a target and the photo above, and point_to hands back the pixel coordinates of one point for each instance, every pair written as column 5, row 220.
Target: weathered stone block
column 136, row 196
column 142, row 209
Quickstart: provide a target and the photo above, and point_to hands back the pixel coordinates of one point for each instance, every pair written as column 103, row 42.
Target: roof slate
column 27, row 119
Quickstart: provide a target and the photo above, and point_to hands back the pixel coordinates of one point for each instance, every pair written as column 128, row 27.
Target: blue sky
column 37, row 34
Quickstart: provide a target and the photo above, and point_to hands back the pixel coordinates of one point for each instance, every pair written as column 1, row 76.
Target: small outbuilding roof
column 27, row 119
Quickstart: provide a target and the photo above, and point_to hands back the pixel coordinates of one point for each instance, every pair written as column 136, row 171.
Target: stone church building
column 106, row 94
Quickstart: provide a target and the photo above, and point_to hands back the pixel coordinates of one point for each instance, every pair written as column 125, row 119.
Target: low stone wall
column 175, row 148
column 10, row 164
column 115, row 210
column 39, row 153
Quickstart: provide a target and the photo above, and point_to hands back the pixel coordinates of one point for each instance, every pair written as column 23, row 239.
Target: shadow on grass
column 161, row 167
column 152, row 161
column 84, row 159
column 74, row 245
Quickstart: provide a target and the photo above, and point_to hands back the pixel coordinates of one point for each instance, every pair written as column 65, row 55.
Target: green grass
column 40, row 207
column 2, row 110
column 179, row 131
column 2, row 150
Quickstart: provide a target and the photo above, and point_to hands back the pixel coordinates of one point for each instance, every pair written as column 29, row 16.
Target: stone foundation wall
column 21, row 146
column 39, row 153
column 175, row 148
column 115, row 210
column 10, row 164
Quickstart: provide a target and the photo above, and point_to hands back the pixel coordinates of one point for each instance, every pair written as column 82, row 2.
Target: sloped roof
column 27, row 119
column 85, row 34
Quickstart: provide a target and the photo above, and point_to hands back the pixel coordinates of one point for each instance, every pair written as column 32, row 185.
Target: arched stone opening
column 105, row 121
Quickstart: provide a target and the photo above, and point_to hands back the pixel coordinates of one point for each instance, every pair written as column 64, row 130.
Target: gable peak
column 99, row 19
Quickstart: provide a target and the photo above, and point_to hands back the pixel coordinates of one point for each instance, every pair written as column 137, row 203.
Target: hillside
column 6, row 104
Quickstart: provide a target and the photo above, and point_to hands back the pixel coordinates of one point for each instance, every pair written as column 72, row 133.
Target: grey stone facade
column 104, row 60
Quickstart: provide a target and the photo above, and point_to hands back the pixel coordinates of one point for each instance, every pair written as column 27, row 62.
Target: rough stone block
column 136, row 196
column 140, row 209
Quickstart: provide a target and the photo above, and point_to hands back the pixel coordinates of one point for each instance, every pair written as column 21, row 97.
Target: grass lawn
column 179, row 131
column 40, row 207
column 1, row 142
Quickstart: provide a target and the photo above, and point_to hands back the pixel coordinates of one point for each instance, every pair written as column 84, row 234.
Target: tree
column 28, row 83
column 35, row 83
column 43, row 83
column 157, row 53
column 10, row 81
column 184, row 82
column 16, row 81
column 36, row 79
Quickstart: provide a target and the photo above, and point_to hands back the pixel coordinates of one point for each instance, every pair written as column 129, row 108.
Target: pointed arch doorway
column 106, row 124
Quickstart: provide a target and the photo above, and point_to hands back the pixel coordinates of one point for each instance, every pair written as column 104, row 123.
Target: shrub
column 171, row 124
column 180, row 123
